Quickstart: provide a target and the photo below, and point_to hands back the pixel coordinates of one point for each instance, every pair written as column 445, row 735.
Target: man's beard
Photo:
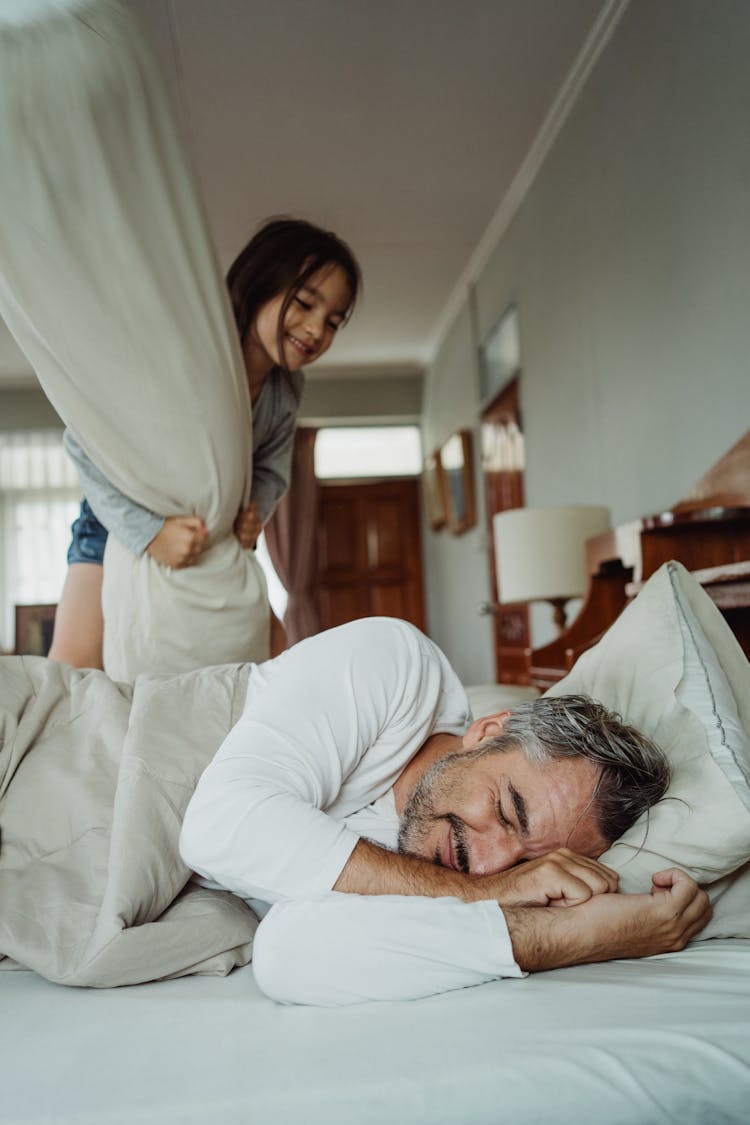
column 419, row 815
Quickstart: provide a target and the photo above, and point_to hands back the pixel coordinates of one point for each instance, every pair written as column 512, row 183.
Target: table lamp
column 540, row 553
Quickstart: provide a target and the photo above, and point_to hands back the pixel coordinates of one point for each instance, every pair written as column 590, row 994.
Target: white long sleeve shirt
column 327, row 729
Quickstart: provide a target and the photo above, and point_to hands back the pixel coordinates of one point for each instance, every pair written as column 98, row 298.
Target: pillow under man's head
column 672, row 668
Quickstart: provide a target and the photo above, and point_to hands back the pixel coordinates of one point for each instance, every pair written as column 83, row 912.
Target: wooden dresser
column 708, row 531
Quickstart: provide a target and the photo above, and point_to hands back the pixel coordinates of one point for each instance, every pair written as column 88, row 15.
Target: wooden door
column 370, row 552
column 503, row 469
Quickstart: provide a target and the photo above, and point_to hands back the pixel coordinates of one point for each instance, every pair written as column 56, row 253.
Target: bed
column 632, row 1043
column 663, row 1040
column 666, row 1039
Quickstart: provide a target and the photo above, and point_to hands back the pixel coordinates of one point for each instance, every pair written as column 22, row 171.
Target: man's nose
column 491, row 852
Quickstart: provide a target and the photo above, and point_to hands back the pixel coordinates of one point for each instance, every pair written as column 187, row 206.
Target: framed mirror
column 434, row 491
column 499, row 356
column 458, row 467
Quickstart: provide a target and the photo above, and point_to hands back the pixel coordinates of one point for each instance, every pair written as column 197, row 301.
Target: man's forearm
column 610, row 926
column 562, row 877
column 546, row 938
column 372, row 870
column 598, row 926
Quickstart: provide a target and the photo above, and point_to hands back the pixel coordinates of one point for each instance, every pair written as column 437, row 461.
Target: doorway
column 370, row 551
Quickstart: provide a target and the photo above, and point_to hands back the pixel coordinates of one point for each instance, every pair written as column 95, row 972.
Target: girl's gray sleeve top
column 133, row 525
column 274, row 417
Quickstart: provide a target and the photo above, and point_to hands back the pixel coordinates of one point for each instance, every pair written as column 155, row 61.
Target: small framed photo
column 458, row 467
column 499, row 356
column 433, row 491
column 34, row 625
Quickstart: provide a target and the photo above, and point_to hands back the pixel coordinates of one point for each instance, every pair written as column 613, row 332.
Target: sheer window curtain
column 39, row 499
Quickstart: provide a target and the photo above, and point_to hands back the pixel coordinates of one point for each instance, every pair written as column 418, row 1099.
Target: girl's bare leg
column 79, row 625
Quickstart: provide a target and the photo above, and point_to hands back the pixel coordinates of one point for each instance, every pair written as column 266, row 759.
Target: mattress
column 628, row 1042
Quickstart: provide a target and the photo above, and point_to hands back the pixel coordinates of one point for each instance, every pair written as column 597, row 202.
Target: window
column 39, row 499
column 277, row 593
column 368, row 451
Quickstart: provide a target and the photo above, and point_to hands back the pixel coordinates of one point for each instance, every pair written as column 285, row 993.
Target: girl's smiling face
column 317, row 310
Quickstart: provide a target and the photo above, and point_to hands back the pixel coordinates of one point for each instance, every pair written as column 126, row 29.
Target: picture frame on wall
column 458, row 467
column 34, row 625
column 434, row 491
column 499, row 356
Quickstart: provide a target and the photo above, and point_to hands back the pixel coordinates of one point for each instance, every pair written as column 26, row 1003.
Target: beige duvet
column 94, row 781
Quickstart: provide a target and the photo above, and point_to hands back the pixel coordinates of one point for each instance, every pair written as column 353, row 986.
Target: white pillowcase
column 705, row 690
column 671, row 666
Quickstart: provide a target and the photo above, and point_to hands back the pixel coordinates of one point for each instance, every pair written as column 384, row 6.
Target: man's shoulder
column 387, row 646
column 390, row 643
column 384, row 630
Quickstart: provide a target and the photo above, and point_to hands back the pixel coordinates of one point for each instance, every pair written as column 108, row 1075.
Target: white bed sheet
column 631, row 1043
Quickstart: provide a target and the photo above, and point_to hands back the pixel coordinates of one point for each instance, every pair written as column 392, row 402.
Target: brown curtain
column 291, row 535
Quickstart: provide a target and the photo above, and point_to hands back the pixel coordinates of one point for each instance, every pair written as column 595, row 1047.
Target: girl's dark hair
column 280, row 257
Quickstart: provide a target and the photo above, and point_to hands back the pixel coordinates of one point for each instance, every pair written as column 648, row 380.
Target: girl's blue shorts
column 89, row 537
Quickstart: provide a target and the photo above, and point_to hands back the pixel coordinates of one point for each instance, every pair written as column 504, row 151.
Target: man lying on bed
column 358, row 742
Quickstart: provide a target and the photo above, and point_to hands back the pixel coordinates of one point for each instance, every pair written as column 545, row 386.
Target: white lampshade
column 540, row 552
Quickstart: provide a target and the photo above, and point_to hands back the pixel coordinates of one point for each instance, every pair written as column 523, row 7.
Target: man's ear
column 487, row 727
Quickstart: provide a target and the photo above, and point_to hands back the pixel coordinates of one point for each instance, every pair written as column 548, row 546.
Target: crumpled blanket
column 94, row 781
column 110, row 284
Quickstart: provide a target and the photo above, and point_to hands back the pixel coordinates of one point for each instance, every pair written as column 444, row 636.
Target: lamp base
column 559, row 615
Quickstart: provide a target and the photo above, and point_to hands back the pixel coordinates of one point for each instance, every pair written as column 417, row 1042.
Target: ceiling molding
column 599, row 36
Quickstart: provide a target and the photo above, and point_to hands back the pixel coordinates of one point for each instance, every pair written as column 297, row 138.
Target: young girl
column 292, row 287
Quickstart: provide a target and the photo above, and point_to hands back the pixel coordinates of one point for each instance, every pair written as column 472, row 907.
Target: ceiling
column 400, row 124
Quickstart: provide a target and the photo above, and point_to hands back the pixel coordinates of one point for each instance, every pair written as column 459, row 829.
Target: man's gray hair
column 634, row 771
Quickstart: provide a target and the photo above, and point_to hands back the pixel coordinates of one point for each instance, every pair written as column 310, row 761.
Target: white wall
column 27, row 409
column 456, row 567
column 629, row 261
